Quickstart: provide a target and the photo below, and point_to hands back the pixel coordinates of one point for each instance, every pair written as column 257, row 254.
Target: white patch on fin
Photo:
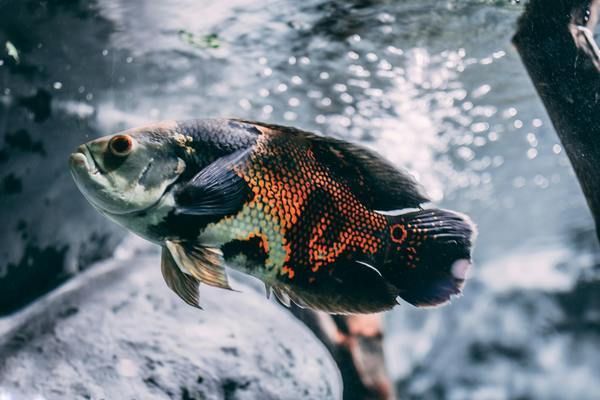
column 369, row 266
column 460, row 269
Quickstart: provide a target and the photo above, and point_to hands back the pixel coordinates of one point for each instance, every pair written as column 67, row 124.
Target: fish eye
column 121, row 145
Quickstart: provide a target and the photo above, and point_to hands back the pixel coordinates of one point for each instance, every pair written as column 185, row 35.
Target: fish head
column 129, row 171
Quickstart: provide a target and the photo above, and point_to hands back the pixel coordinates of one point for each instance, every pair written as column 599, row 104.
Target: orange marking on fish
column 289, row 271
column 394, row 234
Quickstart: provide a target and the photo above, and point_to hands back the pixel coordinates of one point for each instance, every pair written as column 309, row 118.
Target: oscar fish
column 324, row 223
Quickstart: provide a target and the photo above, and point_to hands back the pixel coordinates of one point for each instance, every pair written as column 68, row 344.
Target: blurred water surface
column 434, row 86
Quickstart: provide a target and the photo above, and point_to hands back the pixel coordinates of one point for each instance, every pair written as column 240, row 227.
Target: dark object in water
column 556, row 42
column 308, row 215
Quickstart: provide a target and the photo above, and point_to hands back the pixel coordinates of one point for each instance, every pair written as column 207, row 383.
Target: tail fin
column 430, row 253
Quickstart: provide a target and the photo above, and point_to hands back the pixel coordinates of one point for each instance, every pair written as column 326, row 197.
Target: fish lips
column 81, row 161
column 87, row 176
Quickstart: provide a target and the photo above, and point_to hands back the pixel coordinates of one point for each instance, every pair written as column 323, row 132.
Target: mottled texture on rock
column 117, row 332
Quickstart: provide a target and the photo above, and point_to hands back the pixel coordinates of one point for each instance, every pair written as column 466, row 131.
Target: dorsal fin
column 375, row 181
column 203, row 263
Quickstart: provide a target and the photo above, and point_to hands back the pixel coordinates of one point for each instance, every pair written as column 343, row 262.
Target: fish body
column 311, row 216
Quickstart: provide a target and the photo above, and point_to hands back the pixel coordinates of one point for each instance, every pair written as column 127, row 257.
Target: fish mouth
column 83, row 158
column 98, row 169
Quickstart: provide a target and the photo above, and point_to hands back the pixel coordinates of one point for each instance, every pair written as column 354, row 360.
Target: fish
column 326, row 224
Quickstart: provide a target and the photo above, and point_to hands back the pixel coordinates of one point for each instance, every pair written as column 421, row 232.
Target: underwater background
column 434, row 86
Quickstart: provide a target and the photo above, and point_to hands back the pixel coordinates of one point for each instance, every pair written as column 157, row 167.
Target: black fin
column 204, row 263
column 430, row 253
column 216, row 190
column 378, row 184
column 185, row 286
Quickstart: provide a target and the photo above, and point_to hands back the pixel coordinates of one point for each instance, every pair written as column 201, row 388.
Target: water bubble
column 353, row 55
column 518, row 124
column 480, row 127
column 296, row 80
column 499, row 54
column 267, row 71
column 519, row 182
column 129, row 60
column 326, row 101
column 385, row 18
column 386, row 29
column 314, row 94
column 532, row 139
column 57, row 85
column 346, row 98
column 245, row 104
column 340, row 87
column 89, row 96
column 467, row 105
column 536, row 122
column 293, row 102
column 481, row 91
column 263, row 92
column 374, row 92
column 509, row 112
column 304, row 60
column 541, row 181
column 105, row 52
column 282, row 87
column 354, row 38
column 372, row 57
column 465, row 153
column 267, row 109
column 320, row 119
column 384, row 65
column 479, row 141
column 292, row 60
column 262, row 61
column 532, row 153
column 557, row 149
column 290, row 116
column 394, row 50
column 324, row 75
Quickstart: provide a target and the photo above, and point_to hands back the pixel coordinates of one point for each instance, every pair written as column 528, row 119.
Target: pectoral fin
column 203, row 263
column 184, row 285
column 215, row 190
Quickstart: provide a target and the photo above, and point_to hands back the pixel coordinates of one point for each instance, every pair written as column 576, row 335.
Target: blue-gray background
column 435, row 86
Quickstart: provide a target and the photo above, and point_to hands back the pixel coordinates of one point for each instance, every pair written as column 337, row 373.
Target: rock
column 117, row 332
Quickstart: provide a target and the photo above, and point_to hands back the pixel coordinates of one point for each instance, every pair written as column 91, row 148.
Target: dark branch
column 556, row 43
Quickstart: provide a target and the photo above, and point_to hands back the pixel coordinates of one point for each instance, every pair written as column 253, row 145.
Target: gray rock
column 117, row 332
